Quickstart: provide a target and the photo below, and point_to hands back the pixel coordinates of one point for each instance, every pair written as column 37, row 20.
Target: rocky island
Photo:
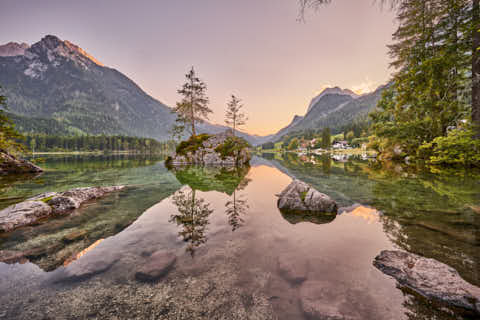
column 204, row 149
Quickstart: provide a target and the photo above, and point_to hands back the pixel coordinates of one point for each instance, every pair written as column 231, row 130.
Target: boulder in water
column 430, row 279
column 301, row 197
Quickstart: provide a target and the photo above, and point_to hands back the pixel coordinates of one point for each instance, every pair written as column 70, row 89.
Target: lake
column 237, row 255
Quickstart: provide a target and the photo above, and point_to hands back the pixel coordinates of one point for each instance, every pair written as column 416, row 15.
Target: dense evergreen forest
column 51, row 143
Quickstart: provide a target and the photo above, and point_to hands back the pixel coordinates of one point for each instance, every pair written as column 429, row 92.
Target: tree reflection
column 192, row 217
column 236, row 208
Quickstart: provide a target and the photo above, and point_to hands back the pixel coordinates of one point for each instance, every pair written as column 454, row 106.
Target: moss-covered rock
column 220, row 149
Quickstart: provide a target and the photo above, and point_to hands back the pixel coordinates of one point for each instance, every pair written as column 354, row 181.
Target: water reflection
column 236, row 208
column 191, row 217
column 317, row 218
column 60, row 240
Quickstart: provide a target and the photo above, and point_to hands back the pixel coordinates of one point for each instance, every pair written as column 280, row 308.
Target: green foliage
column 350, row 136
column 194, row 105
column 54, row 143
column 293, row 145
column 192, row 144
column 360, row 141
column 326, row 138
column 9, row 136
column 458, row 148
column 431, row 87
column 268, row 146
column 212, row 178
column 234, row 117
column 231, row 147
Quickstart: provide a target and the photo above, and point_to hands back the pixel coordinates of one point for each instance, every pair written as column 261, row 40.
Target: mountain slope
column 56, row 79
column 55, row 87
column 333, row 108
column 335, row 90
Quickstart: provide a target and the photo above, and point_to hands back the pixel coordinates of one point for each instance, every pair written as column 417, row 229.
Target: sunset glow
column 257, row 50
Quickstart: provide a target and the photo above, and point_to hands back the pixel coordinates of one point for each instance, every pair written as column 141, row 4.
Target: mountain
column 335, row 91
column 12, row 49
column 56, row 87
column 333, row 108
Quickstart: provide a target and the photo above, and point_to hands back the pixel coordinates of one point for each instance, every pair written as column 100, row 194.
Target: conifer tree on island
column 234, row 117
column 194, row 105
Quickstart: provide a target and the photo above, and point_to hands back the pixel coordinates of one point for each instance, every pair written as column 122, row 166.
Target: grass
column 231, row 147
column 192, row 144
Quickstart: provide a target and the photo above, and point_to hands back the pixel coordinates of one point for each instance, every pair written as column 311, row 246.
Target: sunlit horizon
column 258, row 51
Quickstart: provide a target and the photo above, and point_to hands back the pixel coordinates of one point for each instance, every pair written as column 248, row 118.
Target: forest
column 52, row 143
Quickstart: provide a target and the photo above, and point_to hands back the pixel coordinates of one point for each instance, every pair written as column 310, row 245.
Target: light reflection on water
column 227, row 221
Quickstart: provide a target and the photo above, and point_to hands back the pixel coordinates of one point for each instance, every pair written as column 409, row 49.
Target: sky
column 255, row 49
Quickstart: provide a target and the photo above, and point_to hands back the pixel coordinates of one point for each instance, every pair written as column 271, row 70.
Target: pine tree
column 234, row 117
column 326, row 138
column 475, row 28
column 194, row 105
column 9, row 137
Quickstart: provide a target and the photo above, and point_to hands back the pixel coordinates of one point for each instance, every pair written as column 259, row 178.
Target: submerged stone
column 47, row 204
column 319, row 301
column 22, row 214
column 430, row 278
column 157, row 266
column 292, row 270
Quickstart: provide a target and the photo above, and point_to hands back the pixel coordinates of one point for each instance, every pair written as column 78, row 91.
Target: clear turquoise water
column 231, row 242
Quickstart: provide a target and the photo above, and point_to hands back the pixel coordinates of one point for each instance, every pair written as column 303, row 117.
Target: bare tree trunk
column 476, row 67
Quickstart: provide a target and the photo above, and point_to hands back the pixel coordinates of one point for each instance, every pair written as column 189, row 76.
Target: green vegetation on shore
column 47, row 143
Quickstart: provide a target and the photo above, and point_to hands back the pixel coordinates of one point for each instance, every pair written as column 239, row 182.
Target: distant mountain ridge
column 332, row 108
column 57, row 84
column 56, row 87
column 334, row 90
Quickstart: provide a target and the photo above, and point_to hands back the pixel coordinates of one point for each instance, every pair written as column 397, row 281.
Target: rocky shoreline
column 49, row 204
column 9, row 164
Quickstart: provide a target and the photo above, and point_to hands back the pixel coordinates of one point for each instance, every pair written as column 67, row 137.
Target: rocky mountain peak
column 333, row 90
column 55, row 47
column 12, row 49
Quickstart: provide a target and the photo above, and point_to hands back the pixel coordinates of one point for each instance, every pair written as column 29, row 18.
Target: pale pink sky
column 255, row 49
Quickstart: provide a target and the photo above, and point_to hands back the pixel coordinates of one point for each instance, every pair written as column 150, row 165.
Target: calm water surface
column 238, row 257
